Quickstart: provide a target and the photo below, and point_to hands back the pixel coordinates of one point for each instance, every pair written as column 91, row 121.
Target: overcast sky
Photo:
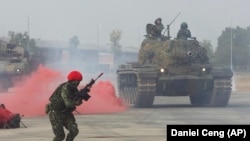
column 62, row 19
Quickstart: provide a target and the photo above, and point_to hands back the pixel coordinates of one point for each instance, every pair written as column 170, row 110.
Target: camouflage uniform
column 184, row 32
column 154, row 30
column 60, row 109
column 158, row 27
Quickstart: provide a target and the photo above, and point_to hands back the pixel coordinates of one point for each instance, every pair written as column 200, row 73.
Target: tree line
column 233, row 48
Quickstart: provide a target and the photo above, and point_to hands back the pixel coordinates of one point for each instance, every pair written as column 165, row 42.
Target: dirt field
column 142, row 124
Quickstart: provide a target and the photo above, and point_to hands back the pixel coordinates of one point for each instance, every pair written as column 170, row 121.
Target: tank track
column 221, row 92
column 140, row 95
column 218, row 97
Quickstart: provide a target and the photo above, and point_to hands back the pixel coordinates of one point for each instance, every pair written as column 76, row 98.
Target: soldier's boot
column 71, row 136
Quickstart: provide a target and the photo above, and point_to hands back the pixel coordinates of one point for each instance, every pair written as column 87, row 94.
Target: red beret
column 75, row 75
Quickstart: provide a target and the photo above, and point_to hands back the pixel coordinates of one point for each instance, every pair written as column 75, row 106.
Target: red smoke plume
column 31, row 95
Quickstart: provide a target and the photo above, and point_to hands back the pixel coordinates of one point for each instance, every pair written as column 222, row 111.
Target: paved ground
column 138, row 124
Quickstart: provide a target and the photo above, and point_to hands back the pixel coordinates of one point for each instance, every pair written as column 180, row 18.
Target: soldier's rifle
column 22, row 122
column 83, row 93
column 168, row 26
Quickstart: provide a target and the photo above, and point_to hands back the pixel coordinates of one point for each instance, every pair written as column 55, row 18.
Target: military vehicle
column 13, row 64
column 174, row 67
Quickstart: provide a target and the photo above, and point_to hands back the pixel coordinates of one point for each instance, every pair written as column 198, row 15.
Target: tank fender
column 222, row 72
column 148, row 75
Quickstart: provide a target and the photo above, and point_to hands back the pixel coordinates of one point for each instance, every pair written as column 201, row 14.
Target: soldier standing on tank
column 184, row 32
column 154, row 30
column 61, row 107
column 158, row 27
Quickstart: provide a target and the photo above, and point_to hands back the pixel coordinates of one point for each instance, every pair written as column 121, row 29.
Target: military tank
column 13, row 64
column 174, row 67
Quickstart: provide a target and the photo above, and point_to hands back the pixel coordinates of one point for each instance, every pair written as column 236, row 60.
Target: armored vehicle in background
column 174, row 67
column 13, row 64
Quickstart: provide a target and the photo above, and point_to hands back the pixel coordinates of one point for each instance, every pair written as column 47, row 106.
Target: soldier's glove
column 83, row 94
column 47, row 108
column 86, row 97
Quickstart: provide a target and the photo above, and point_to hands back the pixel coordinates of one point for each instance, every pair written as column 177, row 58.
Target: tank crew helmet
column 74, row 76
column 158, row 19
column 184, row 25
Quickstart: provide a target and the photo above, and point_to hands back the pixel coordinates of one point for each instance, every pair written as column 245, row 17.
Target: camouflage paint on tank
column 177, row 56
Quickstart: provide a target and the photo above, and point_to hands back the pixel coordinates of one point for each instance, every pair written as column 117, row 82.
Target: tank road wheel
column 218, row 97
column 136, row 92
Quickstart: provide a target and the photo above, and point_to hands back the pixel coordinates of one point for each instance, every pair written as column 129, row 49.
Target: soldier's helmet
column 184, row 25
column 158, row 19
column 74, row 75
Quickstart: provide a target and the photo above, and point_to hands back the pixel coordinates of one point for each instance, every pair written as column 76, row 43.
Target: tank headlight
column 18, row 70
column 203, row 69
column 162, row 70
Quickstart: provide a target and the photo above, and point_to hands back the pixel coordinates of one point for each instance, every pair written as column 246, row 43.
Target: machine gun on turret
column 168, row 26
